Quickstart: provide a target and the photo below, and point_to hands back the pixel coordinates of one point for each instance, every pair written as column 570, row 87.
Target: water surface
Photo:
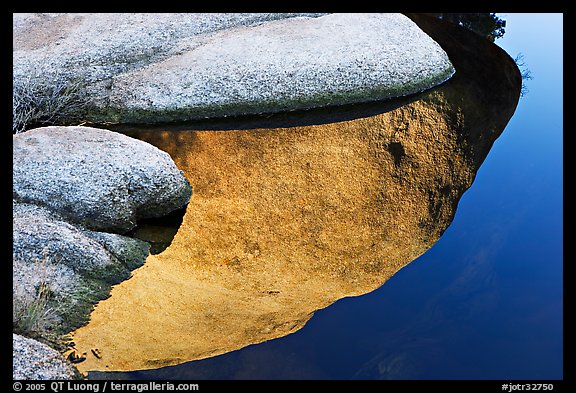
column 485, row 302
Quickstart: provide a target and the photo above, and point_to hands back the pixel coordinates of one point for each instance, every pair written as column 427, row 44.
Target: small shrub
column 37, row 101
column 32, row 313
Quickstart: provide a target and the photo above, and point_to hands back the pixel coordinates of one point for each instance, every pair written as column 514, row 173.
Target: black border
column 569, row 274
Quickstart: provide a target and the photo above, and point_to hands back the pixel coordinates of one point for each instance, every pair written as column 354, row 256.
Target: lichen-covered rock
column 285, row 65
column 148, row 68
column 74, row 267
column 32, row 360
column 96, row 178
column 129, row 251
column 38, row 234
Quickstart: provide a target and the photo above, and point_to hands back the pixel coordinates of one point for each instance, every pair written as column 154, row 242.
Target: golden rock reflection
column 285, row 221
column 282, row 222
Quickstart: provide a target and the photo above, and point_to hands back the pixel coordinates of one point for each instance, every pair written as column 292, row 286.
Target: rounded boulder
column 97, row 178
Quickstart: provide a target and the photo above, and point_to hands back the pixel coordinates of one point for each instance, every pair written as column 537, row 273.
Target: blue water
column 486, row 301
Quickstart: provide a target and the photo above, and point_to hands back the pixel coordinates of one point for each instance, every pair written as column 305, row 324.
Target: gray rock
column 74, row 268
column 57, row 53
column 172, row 67
column 36, row 310
column 32, row 360
column 40, row 235
column 98, row 46
column 96, row 178
column 285, row 65
column 129, row 251
column 28, row 275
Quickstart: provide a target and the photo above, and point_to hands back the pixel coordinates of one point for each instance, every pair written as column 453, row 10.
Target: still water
column 486, row 301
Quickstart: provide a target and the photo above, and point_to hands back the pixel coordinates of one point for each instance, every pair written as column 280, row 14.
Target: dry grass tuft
column 32, row 312
column 37, row 101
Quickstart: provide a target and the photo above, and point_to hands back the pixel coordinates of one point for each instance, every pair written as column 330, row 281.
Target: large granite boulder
column 148, row 68
column 96, row 178
column 102, row 45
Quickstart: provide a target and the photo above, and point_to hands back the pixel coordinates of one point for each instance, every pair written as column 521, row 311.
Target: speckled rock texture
column 74, row 267
column 73, row 188
column 147, row 68
column 32, row 360
column 100, row 179
column 37, row 233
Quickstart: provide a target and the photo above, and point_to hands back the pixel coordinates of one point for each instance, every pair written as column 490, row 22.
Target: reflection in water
column 285, row 221
column 486, row 24
column 405, row 354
